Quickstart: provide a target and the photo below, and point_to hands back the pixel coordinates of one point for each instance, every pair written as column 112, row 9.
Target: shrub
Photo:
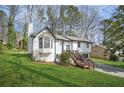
column 2, row 46
column 9, row 46
column 114, row 57
column 65, row 58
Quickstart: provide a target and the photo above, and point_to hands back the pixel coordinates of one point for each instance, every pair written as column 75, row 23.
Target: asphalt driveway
column 109, row 69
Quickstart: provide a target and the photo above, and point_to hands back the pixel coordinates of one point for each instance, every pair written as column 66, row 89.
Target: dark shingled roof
column 59, row 37
column 76, row 39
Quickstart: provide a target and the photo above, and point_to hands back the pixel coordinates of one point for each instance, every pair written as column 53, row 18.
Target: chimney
column 30, row 40
column 30, row 29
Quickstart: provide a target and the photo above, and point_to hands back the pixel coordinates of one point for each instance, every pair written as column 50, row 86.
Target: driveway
column 109, row 70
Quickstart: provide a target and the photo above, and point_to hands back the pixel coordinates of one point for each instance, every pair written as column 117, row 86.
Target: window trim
column 43, row 43
column 40, row 43
column 47, row 38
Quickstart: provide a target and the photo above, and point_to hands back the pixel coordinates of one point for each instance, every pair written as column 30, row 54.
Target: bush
column 114, row 57
column 2, row 46
column 65, row 58
column 9, row 46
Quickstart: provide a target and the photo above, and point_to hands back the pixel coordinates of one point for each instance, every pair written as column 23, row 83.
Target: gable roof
column 34, row 34
column 60, row 37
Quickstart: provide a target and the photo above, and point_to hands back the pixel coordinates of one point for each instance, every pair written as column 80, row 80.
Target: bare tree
column 89, row 22
column 30, row 12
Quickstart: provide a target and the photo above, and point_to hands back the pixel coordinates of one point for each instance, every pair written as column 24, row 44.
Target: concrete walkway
column 109, row 70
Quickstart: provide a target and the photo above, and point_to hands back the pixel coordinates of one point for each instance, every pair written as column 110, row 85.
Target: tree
column 69, row 19
column 11, row 34
column 62, row 19
column 89, row 22
column 3, row 25
column 113, row 30
column 40, row 16
column 72, row 16
column 66, row 20
column 51, row 13
column 25, row 36
column 13, row 10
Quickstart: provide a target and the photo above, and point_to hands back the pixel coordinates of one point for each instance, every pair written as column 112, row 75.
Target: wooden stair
column 80, row 61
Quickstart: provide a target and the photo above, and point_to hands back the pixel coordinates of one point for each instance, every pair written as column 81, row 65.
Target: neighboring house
column 99, row 51
column 46, row 46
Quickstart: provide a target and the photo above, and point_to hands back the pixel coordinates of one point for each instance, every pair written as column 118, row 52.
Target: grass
column 18, row 70
column 108, row 62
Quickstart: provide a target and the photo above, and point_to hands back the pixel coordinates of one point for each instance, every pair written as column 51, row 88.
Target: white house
column 46, row 46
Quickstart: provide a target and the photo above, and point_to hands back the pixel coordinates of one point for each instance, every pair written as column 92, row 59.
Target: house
column 46, row 46
column 99, row 51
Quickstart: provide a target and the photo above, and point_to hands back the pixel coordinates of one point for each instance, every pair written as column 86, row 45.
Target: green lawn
column 19, row 70
column 112, row 63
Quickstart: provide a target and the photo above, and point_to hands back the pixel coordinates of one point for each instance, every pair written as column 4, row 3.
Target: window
column 79, row 44
column 85, row 55
column 40, row 42
column 67, row 47
column 46, row 42
column 87, row 45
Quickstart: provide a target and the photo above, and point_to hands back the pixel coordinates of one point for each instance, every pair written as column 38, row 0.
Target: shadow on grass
column 19, row 66
column 21, row 55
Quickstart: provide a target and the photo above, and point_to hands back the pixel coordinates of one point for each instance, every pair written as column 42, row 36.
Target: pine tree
column 113, row 30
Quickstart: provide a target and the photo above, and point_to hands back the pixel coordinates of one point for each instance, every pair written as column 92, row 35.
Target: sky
column 106, row 11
